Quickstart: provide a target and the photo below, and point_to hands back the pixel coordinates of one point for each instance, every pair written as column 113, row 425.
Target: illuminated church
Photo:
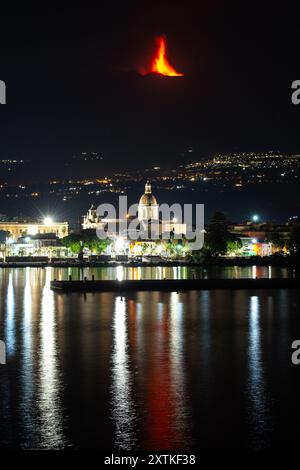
column 148, row 208
column 91, row 220
column 148, row 218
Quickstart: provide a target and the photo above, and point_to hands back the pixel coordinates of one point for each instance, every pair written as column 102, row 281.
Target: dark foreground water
column 151, row 370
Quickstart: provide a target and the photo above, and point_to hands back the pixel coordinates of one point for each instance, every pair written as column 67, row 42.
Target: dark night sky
column 71, row 84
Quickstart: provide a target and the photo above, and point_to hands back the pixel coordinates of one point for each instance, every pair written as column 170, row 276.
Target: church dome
column 147, row 198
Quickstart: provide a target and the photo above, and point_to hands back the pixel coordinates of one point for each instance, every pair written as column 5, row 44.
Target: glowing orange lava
column 160, row 62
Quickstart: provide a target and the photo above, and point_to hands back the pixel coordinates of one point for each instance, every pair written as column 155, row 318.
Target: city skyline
column 238, row 184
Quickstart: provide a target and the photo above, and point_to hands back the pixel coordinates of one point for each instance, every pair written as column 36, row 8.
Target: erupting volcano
column 160, row 62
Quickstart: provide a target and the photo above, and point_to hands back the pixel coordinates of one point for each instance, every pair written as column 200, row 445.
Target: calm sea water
column 149, row 370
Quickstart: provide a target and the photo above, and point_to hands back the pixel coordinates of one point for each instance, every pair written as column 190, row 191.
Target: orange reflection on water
column 163, row 395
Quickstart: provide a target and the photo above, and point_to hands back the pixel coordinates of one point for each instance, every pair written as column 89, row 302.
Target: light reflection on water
column 259, row 417
column 50, row 387
column 178, row 384
column 123, row 410
column 10, row 317
column 150, row 370
column 173, row 272
column 27, row 405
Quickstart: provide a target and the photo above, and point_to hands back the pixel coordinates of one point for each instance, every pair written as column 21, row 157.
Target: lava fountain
column 160, row 63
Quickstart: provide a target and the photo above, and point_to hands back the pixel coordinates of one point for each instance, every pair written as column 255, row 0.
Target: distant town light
column 255, row 218
column 48, row 221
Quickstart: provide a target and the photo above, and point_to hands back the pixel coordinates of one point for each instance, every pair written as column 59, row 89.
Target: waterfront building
column 255, row 247
column 41, row 245
column 257, row 238
column 16, row 229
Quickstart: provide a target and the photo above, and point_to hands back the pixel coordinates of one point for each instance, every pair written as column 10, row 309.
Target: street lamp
column 48, row 220
column 255, row 218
